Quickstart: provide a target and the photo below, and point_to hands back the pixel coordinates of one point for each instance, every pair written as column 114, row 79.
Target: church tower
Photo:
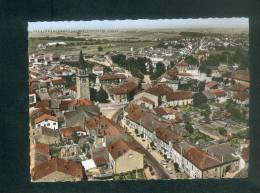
column 82, row 80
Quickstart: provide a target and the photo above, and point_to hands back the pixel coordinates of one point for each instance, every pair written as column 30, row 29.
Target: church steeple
column 81, row 61
column 82, row 81
column 82, row 68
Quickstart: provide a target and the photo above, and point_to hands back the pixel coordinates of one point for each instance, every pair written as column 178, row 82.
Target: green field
column 89, row 47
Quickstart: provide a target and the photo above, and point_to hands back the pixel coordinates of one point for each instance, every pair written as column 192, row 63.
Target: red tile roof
column 58, row 81
column 212, row 84
column 179, row 95
column 182, row 63
column 56, row 164
column 44, row 117
column 125, row 88
column 218, row 92
column 103, row 125
column 68, row 132
column 242, row 75
column 240, row 87
column 147, row 100
column 42, row 148
column 166, row 134
column 79, row 102
column 73, row 87
column 184, row 74
column 98, row 68
column 112, row 77
column 241, row 96
column 165, row 110
column 159, row 89
column 42, row 104
column 201, row 159
column 118, row 148
column 245, row 154
column 100, row 161
column 42, row 110
column 64, row 105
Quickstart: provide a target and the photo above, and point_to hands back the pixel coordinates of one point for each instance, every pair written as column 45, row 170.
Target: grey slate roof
column 223, row 151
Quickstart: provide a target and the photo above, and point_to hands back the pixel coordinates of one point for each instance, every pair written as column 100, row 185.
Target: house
column 145, row 102
column 179, row 98
column 67, row 133
column 58, row 83
column 70, row 152
column 213, row 162
column 219, row 95
column 72, row 91
column 182, row 67
column 194, row 162
column 44, row 135
column 122, row 93
column 211, row 85
column 104, row 130
column 55, row 93
column 241, row 98
column 157, row 94
column 164, row 139
column 100, row 162
column 241, row 76
column 98, row 70
column 37, row 112
column 124, row 159
column 227, row 155
column 170, row 78
column 57, row 169
column 111, row 78
column 32, row 97
column 76, row 118
column 166, row 112
column 46, row 120
column 39, row 153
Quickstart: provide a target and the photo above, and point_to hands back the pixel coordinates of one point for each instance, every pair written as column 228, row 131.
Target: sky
column 142, row 24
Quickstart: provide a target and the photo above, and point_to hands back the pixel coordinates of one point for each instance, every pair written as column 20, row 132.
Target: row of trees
column 237, row 115
column 99, row 96
column 139, row 66
column 239, row 56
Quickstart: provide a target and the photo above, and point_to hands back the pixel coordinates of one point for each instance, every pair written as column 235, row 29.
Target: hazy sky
column 142, row 24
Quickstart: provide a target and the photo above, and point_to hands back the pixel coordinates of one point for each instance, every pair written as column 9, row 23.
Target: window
column 54, row 123
column 83, row 80
column 48, row 124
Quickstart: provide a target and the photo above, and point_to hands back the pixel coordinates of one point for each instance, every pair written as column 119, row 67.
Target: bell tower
column 82, row 80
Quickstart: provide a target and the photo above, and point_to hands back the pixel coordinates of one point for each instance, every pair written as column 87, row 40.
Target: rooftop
column 56, row 164
column 45, row 117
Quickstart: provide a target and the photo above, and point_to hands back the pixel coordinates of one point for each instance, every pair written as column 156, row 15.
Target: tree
column 199, row 99
column 102, row 96
column 189, row 127
column 235, row 143
column 201, row 86
column 107, row 69
column 191, row 60
column 159, row 70
column 93, row 94
column 186, row 117
column 100, row 48
column 75, row 138
column 92, row 77
column 222, row 131
column 176, row 167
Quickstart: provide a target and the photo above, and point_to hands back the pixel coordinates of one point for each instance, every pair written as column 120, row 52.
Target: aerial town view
column 139, row 99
